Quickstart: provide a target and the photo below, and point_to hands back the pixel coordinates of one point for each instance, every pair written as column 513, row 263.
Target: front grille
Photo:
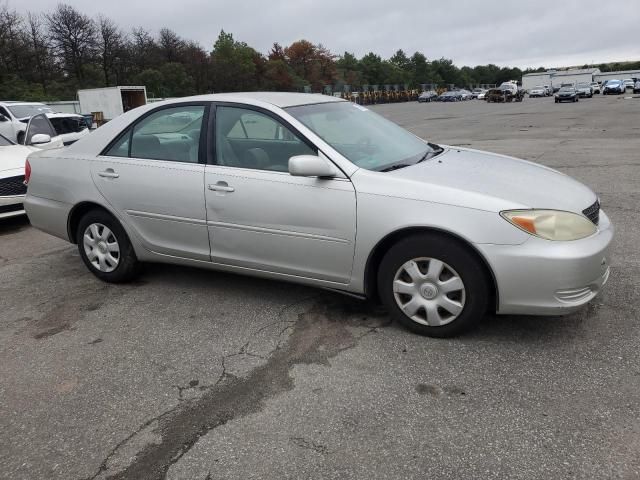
column 593, row 212
column 12, row 186
column 16, row 207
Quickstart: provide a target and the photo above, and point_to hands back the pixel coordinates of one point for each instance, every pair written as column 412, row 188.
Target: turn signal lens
column 551, row 224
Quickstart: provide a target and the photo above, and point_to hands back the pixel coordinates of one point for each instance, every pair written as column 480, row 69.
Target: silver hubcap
column 101, row 247
column 429, row 291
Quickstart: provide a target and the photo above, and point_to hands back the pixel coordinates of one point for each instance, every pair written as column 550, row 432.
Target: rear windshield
column 68, row 124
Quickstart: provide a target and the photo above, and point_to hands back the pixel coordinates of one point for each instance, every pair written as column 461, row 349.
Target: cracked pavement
column 189, row 374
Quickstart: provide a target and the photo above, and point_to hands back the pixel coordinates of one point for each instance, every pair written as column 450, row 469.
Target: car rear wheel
column 105, row 248
column 433, row 285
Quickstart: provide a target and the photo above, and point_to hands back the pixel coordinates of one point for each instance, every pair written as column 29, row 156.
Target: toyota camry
column 317, row 190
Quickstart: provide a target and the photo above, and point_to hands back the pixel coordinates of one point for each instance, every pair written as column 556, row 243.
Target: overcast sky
column 504, row 32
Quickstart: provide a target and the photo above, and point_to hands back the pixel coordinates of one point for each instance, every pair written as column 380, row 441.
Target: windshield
column 584, row 85
column 566, row 89
column 4, row 142
column 363, row 137
column 21, row 111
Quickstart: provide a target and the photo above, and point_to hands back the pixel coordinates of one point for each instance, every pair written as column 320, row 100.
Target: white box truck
column 111, row 101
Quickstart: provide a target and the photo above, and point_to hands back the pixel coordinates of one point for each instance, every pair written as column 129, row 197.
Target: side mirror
column 311, row 166
column 40, row 139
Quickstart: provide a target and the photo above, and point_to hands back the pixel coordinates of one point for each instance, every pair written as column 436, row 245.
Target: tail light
column 27, row 172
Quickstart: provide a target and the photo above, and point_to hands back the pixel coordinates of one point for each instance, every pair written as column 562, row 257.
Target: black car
column 451, row 96
column 567, row 94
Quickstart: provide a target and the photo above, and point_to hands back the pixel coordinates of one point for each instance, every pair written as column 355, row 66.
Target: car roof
column 278, row 99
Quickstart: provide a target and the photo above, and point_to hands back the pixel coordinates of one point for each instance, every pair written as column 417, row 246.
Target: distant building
column 555, row 78
column 620, row 75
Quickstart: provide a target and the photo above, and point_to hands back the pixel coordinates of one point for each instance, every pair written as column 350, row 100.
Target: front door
column 261, row 217
column 153, row 175
column 41, row 134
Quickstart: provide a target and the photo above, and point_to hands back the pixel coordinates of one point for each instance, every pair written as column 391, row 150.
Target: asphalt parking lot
column 189, row 374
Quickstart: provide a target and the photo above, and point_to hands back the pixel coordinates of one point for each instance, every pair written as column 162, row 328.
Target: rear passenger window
column 170, row 134
column 121, row 147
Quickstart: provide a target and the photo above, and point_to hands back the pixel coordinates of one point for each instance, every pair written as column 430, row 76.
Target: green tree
column 176, row 80
column 233, row 65
column 154, row 81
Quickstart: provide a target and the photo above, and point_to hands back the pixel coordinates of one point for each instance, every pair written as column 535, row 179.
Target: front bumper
column 541, row 277
column 11, row 206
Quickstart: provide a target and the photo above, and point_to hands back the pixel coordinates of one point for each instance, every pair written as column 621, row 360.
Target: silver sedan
column 316, row 190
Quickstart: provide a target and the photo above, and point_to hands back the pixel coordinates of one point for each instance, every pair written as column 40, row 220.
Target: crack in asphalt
column 318, row 333
column 309, row 445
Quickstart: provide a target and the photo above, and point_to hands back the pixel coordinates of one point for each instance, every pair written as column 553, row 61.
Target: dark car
column 450, row 97
column 428, row 96
column 614, row 86
column 636, row 86
column 567, row 94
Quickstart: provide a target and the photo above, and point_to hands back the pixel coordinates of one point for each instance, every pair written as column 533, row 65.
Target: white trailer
column 112, row 101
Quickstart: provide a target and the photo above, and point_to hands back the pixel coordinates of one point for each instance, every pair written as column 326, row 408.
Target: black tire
column 128, row 266
column 456, row 255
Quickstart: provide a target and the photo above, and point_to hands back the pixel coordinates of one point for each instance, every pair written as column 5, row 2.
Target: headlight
column 551, row 224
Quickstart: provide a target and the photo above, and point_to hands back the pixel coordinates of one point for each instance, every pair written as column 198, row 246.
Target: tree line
column 49, row 56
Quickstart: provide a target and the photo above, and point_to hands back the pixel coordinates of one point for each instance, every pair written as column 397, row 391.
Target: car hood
column 488, row 181
column 13, row 157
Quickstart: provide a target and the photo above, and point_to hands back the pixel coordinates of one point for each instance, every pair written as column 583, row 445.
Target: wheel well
column 77, row 213
column 383, row 246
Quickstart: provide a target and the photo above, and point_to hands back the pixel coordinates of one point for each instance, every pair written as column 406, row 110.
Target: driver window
column 250, row 139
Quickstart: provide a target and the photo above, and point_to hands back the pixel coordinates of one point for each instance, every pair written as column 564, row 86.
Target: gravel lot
column 190, row 374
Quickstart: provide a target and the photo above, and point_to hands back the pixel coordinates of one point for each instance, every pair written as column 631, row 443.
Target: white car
column 595, row 86
column 538, row 91
column 12, row 164
column 509, row 87
column 628, row 83
column 14, row 117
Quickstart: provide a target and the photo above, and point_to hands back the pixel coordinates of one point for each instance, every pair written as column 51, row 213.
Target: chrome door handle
column 108, row 173
column 221, row 187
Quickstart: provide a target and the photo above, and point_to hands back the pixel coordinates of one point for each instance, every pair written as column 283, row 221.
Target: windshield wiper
column 395, row 167
column 435, row 150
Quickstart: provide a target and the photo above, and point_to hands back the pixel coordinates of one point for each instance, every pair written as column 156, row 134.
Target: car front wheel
column 105, row 248
column 433, row 285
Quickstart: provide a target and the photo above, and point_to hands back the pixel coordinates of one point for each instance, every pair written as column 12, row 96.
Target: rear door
column 261, row 217
column 153, row 175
